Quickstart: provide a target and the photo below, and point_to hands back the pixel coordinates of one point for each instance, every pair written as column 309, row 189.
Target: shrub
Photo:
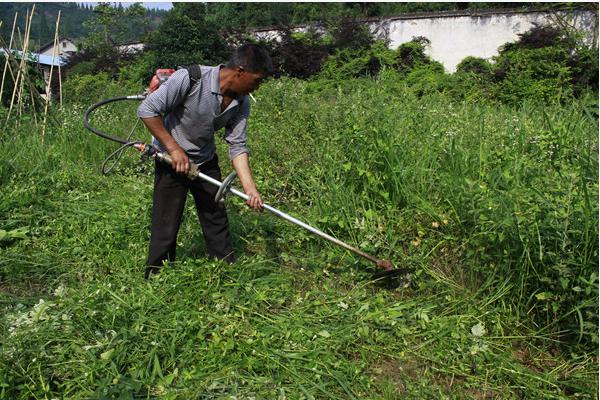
column 82, row 68
column 349, row 63
column 100, row 58
column 584, row 69
column 539, row 36
column 475, row 65
column 468, row 86
column 427, row 78
column 185, row 37
column 540, row 74
column 546, row 63
column 88, row 89
column 351, row 34
column 298, row 56
column 139, row 72
column 412, row 54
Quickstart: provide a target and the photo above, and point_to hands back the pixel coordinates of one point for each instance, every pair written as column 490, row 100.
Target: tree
column 110, row 27
column 44, row 35
column 187, row 37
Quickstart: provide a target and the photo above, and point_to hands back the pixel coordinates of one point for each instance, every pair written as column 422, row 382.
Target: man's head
column 251, row 64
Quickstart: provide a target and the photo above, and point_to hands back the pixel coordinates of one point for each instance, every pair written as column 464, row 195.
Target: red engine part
column 160, row 77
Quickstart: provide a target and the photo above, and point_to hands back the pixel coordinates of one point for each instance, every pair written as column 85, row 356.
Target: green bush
column 185, row 37
column 584, row 69
column 468, row 86
column 352, row 63
column 89, row 89
column 475, row 65
column 83, row 68
column 539, row 74
column 140, row 71
column 412, row 54
column 427, row 78
column 546, row 64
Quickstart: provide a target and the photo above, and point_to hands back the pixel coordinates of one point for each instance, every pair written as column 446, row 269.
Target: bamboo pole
column 15, row 65
column 16, row 81
column 49, row 86
column 60, row 87
column 24, row 60
column 60, row 98
column 22, row 69
column 25, row 44
column 20, row 81
column 6, row 64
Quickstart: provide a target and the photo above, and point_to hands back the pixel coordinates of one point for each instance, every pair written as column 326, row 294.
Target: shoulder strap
column 195, row 72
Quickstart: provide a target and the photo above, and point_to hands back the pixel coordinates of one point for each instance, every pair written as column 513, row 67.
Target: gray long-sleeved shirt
column 193, row 117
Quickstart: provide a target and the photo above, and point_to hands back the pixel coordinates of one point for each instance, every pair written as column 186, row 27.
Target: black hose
column 119, row 152
column 98, row 132
column 124, row 142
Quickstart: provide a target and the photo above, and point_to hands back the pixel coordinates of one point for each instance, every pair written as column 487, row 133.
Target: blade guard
column 225, row 186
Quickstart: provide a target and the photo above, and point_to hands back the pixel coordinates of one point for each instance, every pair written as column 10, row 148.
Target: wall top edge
column 439, row 14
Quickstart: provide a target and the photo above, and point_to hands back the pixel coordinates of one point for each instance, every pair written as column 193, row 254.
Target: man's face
column 246, row 81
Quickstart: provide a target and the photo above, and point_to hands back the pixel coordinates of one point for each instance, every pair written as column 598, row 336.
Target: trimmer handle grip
column 193, row 171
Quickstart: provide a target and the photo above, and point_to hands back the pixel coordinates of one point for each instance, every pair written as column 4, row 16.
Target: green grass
column 495, row 208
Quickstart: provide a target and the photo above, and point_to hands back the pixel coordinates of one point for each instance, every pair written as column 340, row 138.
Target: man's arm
column 168, row 96
column 181, row 162
column 242, row 167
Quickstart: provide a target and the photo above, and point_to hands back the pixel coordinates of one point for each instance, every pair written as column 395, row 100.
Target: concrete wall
column 456, row 35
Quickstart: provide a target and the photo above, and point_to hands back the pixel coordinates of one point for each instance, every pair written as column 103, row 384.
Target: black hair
column 253, row 57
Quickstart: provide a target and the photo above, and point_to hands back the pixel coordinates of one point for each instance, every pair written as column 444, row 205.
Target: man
column 193, row 112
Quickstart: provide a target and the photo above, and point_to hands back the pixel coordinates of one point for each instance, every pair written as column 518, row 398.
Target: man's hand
column 255, row 200
column 181, row 162
column 242, row 167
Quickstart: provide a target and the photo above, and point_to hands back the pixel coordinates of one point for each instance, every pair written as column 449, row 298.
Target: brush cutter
column 150, row 151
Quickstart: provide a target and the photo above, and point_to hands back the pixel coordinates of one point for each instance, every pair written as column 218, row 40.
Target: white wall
column 65, row 47
column 455, row 36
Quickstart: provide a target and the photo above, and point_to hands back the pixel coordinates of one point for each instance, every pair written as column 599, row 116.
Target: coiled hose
column 124, row 142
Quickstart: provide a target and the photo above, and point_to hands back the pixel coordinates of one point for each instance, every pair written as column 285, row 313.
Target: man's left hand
column 255, row 201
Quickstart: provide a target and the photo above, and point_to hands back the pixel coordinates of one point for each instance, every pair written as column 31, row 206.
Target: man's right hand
column 180, row 160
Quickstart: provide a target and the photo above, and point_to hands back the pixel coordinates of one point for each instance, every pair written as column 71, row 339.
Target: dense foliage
column 77, row 17
column 187, row 37
column 261, row 15
column 75, row 20
column 544, row 64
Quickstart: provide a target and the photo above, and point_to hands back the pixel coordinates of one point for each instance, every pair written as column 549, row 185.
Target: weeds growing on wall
column 545, row 64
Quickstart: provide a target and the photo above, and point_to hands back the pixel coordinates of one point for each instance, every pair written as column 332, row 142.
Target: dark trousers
column 170, row 192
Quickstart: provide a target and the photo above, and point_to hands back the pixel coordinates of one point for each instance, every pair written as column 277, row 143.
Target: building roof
column 40, row 59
